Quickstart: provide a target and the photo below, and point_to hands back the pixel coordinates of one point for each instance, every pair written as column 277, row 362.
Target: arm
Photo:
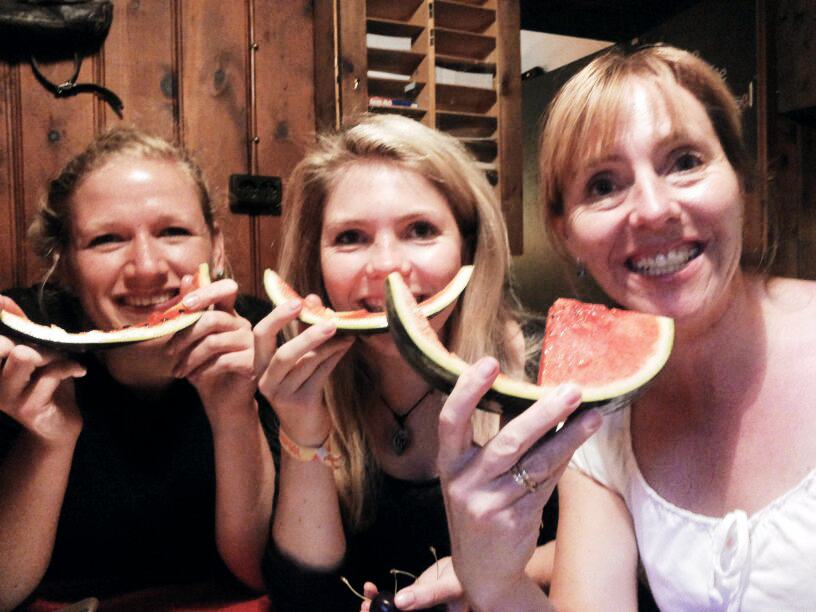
column 493, row 519
column 596, row 557
column 36, row 391
column 217, row 356
column 307, row 526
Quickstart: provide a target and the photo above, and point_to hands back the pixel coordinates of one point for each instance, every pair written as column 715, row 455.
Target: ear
column 218, row 258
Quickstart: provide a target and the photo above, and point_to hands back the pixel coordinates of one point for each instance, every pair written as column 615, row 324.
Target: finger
column 45, row 383
column 212, row 322
column 455, row 429
column 427, row 595
column 314, row 370
column 19, row 367
column 267, row 329
column 9, row 305
column 514, row 439
column 220, row 295
column 552, row 454
column 370, row 590
column 290, row 353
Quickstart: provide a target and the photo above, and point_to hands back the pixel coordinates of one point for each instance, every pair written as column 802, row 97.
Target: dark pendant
column 401, row 440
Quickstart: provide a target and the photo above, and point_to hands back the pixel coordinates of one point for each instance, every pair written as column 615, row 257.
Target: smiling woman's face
column 136, row 229
column 380, row 218
column 657, row 219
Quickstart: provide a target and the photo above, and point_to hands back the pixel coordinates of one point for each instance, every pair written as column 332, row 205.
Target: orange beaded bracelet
column 321, row 454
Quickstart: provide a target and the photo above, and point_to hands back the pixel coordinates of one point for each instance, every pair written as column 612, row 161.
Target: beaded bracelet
column 321, row 454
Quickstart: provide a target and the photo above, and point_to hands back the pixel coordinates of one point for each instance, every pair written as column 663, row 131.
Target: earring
column 580, row 269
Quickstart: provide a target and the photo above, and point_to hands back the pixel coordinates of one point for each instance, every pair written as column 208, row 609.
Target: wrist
column 521, row 595
column 321, row 453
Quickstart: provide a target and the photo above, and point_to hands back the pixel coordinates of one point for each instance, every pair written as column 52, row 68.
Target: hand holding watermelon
column 292, row 377
column 36, row 389
column 495, row 494
column 216, row 354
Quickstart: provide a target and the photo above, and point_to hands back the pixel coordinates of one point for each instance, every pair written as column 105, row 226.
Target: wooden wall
column 233, row 81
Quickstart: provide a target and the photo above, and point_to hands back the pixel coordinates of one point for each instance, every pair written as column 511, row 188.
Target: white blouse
column 766, row 561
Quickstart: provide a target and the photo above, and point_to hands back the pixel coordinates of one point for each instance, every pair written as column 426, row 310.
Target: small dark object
column 383, row 602
column 255, row 194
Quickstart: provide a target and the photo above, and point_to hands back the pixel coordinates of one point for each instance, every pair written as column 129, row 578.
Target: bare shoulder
column 790, row 315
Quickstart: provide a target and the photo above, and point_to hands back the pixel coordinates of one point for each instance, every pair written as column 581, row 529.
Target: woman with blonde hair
column 386, row 194
column 706, row 481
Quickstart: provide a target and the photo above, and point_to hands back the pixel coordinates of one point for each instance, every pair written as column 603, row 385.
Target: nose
column 147, row 261
column 654, row 202
column 385, row 256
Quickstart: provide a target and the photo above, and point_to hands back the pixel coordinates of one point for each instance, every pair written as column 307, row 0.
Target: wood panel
column 213, row 104
column 53, row 130
column 510, row 145
column 139, row 65
column 9, row 269
column 284, row 65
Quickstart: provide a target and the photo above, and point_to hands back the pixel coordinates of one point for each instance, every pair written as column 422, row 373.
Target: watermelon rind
column 52, row 336
column 362, row 321
column 420, row 347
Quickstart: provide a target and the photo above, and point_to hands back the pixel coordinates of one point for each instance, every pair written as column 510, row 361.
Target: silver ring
column 522, row 478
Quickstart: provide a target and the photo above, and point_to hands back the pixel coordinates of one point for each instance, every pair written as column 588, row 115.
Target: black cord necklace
column 401, row 439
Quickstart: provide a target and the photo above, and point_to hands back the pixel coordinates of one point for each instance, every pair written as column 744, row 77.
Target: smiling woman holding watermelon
column 143, row 466
column 358, row 493
column 707, row 480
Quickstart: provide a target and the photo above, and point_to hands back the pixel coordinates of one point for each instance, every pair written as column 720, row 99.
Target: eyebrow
column 675, row 136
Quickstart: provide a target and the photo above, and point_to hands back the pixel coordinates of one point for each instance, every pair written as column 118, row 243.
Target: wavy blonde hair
column 478, row 326
column 583, row 118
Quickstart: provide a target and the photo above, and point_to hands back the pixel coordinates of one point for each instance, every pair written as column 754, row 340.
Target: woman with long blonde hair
column 384, row 195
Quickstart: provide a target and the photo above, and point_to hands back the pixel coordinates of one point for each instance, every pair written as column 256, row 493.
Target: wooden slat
column 8, row 181
column 139, row 53
column 508, row 78
column 53, row 131
column 213, row 104
column 353, row 59
column 285, row 93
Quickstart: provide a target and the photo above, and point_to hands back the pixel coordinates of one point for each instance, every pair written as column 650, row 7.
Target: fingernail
column 569, row 393
column 190, row 301
column 293, row 305
column 326, row 328
column 487, row 367
column 403, row 599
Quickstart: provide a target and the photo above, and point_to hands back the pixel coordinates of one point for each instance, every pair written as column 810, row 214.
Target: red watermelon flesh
column 592, row 345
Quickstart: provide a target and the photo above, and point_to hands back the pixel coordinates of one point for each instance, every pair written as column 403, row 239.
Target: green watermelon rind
column 51, row 336
column 441, row 368
column 362, row 321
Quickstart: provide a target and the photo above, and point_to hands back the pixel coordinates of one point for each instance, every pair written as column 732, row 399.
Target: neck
column 725, row 361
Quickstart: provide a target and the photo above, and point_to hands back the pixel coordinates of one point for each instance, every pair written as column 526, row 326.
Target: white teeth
column 141, row 302
column 665, row 263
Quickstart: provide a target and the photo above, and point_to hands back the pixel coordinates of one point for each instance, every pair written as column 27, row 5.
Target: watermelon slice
column 581, row 346
column 363, row 321
column 159, row 324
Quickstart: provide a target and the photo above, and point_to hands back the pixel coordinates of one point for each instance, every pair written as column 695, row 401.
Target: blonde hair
column 479, row 324
column 582, row 119
column 50, row 232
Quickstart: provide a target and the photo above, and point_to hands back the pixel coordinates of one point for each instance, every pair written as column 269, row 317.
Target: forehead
column 663, row 109
column 366, row 188
column 127, row 184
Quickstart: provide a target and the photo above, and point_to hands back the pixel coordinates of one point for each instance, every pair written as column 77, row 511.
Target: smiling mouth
column 665, row 263
column 147, row 301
